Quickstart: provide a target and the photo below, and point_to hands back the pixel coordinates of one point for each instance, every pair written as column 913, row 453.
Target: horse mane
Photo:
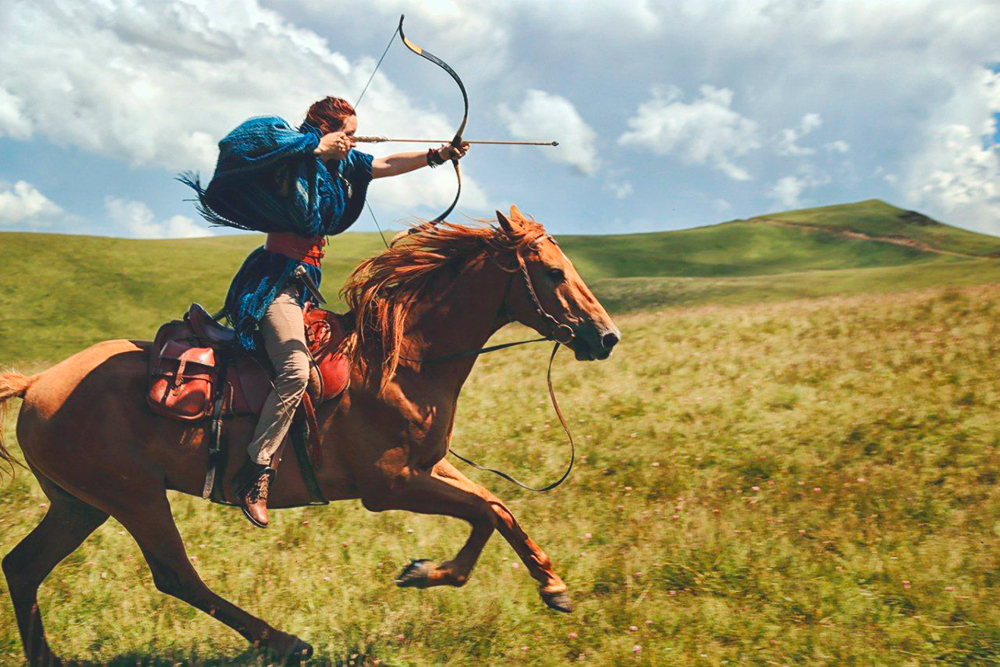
column 383, row 290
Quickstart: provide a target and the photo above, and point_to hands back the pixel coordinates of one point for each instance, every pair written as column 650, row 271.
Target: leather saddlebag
column 182, row 380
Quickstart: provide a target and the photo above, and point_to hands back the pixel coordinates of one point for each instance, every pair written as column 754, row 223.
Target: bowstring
column 358, row 102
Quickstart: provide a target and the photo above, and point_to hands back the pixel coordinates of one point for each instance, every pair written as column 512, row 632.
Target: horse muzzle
column 592, row 342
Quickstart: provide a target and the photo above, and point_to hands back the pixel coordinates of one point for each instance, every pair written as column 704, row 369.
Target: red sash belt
column 297, row 247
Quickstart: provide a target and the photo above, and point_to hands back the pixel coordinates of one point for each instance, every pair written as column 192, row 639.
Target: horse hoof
column 299, row 653
column 416, row 574
column 558, row 601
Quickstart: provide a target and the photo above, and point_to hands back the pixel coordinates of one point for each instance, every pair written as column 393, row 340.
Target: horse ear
column 505, row 224
column 515, row 213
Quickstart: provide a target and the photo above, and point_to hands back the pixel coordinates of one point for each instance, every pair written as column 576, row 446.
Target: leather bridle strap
column 557, row 326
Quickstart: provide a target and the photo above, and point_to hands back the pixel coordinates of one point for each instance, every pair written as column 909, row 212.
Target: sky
column 670, row 114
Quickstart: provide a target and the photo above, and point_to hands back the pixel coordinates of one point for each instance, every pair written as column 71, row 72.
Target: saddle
column 197, row 372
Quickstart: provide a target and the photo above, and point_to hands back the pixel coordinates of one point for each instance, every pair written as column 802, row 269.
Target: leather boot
column 252, row 482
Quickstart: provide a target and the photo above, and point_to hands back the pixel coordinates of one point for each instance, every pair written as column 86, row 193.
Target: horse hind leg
column 66, row 524
column 152, row 526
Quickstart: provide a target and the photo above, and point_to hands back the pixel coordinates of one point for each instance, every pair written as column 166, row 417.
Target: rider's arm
column 400, row 163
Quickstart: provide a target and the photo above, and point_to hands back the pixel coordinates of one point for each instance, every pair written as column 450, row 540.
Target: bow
column 456, row 141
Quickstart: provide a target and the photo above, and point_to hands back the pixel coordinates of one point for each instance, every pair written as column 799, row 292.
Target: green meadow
column 791, row 458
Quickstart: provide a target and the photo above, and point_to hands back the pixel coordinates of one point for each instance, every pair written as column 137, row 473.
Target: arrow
column 379, row 140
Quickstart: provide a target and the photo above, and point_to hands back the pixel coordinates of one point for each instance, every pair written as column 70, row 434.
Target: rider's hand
column 334, row 146
column 449, row 152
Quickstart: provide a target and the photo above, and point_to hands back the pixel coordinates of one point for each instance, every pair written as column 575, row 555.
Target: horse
column 97, row 449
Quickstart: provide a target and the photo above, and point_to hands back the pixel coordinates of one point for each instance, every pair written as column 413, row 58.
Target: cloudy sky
column 670, row 113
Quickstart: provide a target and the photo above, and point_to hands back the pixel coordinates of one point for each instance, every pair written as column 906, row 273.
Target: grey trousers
column 284, row 337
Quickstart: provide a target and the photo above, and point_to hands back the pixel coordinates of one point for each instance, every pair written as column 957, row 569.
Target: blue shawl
column 267, row 179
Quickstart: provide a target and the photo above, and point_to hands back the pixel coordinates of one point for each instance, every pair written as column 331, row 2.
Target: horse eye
column 557, row 275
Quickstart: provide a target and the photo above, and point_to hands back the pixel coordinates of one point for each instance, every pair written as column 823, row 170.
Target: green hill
column 879, row 219
column 59, row 293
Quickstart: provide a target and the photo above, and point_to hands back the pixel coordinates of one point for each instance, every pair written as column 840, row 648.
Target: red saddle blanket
column 196, row 368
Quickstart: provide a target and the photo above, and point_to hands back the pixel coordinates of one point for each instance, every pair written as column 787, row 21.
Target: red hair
column 329, row 114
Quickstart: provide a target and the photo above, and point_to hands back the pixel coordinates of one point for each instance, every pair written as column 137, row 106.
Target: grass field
column 764, row 479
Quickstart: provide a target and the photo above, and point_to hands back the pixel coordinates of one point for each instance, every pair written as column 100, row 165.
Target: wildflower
column 671, row 593
column 305, row 523
column 802, row 531
column 906, row 584
column 861, row 480
column 633, row 628
column 573, row 635
column 716, row 510
column 675, row 517
column 587, row 536
column 755, row 488
column 649, row 622
column 400, row 637
column 950, row 589
column 637, row 649
column 524, row 648
column 656, row 464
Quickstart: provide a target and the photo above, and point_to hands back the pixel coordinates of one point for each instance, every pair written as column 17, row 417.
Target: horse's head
column 547, row 294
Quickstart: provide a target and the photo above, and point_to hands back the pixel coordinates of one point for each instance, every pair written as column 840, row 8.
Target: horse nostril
column 609, row 340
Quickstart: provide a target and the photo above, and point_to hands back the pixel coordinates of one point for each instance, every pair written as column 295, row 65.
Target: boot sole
column 246, row 513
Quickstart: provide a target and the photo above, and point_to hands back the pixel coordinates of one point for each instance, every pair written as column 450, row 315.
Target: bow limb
column 457, row 139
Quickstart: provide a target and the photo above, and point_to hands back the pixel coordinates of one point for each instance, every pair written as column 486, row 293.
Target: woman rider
column 299, row 187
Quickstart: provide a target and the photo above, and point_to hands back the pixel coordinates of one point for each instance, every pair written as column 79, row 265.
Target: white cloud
column 158, row 83
column 960, row 177
column 787, row 190
column 721, row 205
column 13, row 121
column 704, row 131
column 137, row 220
column 838, row 146
column 620, row 190
column 789, row 137
column 23, row 204
column 956, row 172
column 547, row 117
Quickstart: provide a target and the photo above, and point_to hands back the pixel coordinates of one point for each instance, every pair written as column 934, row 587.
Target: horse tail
column 11, row 385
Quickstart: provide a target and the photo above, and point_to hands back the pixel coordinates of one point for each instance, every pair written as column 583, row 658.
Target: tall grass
column 810, row 481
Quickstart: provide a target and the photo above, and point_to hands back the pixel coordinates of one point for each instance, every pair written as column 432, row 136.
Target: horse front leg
column 426, row 493
column 551, row 587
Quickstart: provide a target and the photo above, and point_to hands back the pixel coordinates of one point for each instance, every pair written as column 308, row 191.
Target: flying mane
column 382, row 290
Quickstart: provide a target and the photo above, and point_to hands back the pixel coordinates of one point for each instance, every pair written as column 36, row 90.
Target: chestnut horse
column 97, row 450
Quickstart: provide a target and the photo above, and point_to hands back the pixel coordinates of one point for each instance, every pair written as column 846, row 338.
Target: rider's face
column 350, row 127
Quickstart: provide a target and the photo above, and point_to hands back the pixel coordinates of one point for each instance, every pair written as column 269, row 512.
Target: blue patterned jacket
column 267, row 179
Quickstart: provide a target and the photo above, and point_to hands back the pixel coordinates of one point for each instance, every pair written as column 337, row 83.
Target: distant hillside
column 877, row 219
column 59, row 293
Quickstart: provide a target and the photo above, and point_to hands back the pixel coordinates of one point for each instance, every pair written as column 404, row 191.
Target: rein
column 562, row 421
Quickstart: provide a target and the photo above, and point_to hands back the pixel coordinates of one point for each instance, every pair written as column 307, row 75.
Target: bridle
column 557, row 327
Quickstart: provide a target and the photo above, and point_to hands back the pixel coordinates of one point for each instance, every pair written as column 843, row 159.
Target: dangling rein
column 555, row 405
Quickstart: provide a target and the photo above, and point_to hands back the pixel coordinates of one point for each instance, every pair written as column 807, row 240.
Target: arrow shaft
column 379, row 140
